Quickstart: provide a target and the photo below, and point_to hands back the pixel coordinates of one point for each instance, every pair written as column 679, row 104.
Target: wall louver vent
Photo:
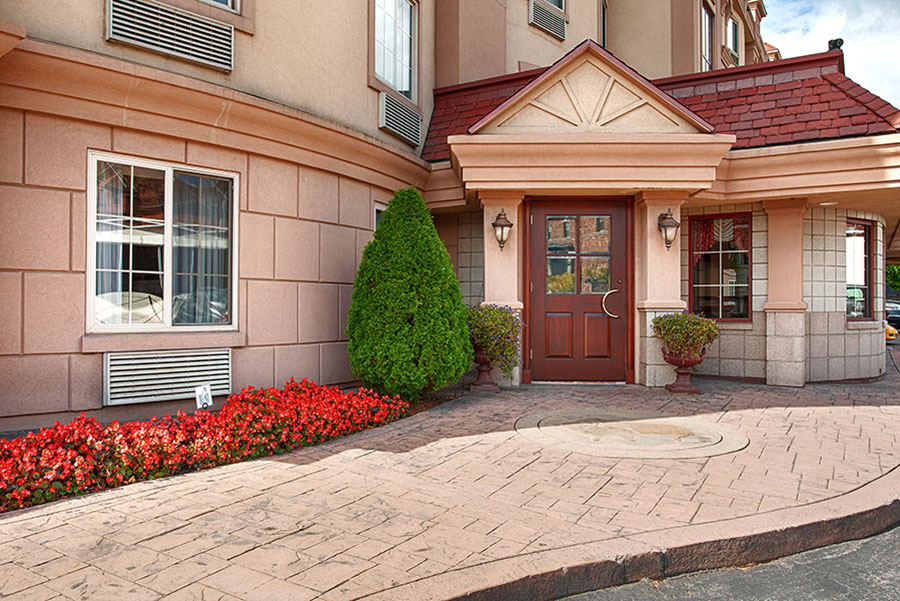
column 171, row 31
column 542, row 17
column 164, row 376
column 399, row 119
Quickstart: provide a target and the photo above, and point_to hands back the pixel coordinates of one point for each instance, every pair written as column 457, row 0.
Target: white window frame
column 732, row 35
column 553, row 4
column 707, row 35
column 232, row 6
column 414, row 52
column 379, row 208
column 91, row 268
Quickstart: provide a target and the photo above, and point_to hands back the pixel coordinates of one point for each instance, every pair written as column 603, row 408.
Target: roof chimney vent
column 835, row 44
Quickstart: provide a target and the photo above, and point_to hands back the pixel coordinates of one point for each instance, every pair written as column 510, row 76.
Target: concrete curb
column 547, row 575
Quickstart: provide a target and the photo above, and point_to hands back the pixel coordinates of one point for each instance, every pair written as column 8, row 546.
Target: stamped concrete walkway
column 454, row 502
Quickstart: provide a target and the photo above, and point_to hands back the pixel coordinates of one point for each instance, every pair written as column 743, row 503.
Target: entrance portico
column 584, row 160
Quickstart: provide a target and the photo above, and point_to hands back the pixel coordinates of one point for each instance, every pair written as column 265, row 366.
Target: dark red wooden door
column 579, row 299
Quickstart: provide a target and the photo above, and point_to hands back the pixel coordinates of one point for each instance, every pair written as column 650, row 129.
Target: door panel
column 559, row 335
column 579, row 300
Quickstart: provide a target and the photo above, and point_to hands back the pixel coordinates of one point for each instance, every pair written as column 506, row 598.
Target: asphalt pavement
column 863, row 570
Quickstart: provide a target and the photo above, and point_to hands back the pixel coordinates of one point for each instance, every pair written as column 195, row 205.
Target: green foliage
column 407, row 327
column 685, row 334
column 495, row 330
column 892, row 276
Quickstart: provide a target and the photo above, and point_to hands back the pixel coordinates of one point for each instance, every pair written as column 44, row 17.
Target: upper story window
column 162, row 246
column 732, row 36
column 229, row 4
column 859, row 269
column 560, row 4
column 720, row 266
column 706, row 37
column 604, row 15
column 395, row 45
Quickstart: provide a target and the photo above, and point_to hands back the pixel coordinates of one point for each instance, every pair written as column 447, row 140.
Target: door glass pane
column 594, row 275
column 561, row 235
column 560, row 275
column 595, row 234
column 706, row 301
column 735, row 268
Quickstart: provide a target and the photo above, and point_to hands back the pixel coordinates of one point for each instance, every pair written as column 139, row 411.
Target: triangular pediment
column 590, row 91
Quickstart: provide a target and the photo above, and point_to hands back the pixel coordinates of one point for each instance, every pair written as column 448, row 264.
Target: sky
column 870, row 30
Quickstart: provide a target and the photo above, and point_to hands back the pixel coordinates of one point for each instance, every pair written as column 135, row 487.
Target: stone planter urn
column 683, row 366
column 484, row 382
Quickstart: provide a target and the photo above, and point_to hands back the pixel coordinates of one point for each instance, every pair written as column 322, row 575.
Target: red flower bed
column 84, row 455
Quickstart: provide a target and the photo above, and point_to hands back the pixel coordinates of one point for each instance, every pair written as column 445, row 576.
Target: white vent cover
column 173, row 31
column 164, row 376
column 544, row 18
column 398, row 119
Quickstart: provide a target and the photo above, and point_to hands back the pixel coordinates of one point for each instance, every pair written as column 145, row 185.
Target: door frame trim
column 527, row 216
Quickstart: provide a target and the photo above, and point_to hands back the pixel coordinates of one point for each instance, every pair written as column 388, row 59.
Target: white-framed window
column 379, row 212
column 162, row 242
column 706, row 37
column 732, row 36
column 395, row 45
column 604, row 16
column 560, row 4
column 232, row 5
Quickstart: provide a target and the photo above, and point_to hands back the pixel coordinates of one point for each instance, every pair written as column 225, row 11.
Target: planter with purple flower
column 494, row 331
column 684, row 339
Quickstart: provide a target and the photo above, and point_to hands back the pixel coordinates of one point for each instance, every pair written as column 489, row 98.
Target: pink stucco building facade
column 169, row 221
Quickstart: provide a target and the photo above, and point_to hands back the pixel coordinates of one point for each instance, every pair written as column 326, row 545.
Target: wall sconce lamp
column 502, row 228
column 668, row 227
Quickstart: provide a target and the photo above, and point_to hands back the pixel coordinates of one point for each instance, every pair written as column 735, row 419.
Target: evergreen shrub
column 407, row 328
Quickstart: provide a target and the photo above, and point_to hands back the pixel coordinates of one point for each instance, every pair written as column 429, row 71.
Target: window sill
column 735, row 325
column 865, row 324
column 109, row 342
column 376, row 84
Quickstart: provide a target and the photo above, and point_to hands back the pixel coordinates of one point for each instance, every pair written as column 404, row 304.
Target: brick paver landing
column 451, row 487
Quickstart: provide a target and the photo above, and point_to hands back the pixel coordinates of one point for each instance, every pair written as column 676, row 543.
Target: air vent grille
column 544, row 18
column 398, row 119
column 164, row 376
column 172, row 31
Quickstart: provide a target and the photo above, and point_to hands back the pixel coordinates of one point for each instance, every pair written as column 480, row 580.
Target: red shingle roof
column 779, row 102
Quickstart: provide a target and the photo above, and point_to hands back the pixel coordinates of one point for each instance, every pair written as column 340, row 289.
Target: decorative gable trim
column 590, row 90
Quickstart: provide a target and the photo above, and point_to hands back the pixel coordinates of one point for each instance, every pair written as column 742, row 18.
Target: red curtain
column 704, row 237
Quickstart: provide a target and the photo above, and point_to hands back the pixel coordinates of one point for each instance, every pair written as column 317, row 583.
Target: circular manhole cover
column 630, row 434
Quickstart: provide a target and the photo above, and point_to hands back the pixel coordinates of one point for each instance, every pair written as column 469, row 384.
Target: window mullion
column 168, row 248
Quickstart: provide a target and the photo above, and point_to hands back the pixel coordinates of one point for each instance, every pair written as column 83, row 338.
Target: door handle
column 603, row 303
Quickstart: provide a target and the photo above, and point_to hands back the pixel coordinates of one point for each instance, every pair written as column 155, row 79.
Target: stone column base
column 652, row 368
column 786, row 347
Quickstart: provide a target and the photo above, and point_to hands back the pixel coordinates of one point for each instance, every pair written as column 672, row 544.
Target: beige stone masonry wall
column 740, row 351
column 838, row 349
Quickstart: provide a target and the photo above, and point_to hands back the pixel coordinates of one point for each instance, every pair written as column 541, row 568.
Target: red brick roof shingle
column 780, row 102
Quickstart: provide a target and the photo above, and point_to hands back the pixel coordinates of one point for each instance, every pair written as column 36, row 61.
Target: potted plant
column 494, row 332
column 684, row 339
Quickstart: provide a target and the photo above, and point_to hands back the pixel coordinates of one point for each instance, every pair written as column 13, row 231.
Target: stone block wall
column 740, row 351
column 301, row 232
column 838, row 349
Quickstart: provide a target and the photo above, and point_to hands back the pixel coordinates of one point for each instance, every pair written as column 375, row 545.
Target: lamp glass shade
column 502, row 227
column 668, row 226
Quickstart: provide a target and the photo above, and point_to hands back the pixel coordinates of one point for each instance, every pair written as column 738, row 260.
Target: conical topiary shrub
column 407, row 324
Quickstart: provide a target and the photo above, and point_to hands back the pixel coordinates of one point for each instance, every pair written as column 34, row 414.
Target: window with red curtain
column 720, row 266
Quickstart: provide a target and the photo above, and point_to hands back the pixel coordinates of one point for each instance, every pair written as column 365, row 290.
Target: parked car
column 890, row 333
column 892, row 313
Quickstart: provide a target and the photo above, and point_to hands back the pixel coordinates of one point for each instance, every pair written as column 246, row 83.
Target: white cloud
column 870, row 30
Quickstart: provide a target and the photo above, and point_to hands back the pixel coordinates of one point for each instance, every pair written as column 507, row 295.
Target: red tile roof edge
column 824, row 59
column 491, row 82
column 876, row 104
